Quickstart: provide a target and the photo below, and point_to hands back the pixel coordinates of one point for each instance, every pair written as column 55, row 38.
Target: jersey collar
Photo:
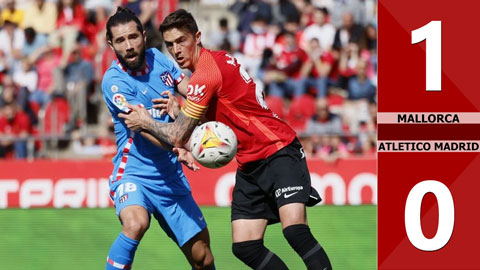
column 134, row 73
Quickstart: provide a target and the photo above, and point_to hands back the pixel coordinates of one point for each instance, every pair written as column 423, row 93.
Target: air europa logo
column 279, row 191
column 196, row 90
column 155, row 113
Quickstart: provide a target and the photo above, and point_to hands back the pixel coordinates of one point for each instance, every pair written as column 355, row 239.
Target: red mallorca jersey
column 223, row 91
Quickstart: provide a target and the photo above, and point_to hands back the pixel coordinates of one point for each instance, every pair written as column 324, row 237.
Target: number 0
column 432, row 33
column 446, row 215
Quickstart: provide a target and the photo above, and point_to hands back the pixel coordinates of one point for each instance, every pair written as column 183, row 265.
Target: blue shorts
column 171, row 203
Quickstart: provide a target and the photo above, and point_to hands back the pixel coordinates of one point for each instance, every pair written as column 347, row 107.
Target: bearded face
column 133, row 60
column 129, row 45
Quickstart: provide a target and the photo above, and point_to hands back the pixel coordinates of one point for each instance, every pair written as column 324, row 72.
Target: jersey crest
column 166, row 78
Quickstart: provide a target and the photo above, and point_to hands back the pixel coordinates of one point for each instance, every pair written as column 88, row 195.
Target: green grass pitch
column 51, row 239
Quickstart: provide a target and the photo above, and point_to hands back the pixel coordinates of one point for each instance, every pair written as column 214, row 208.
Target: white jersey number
column 125, row 188
column 432, row 34
column 259, row 94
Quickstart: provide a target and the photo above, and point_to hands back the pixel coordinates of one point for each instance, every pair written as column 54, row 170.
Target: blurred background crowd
column 316, row 61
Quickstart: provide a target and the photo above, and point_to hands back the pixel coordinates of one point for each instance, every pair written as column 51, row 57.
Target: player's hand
column 167, row 105
column 137, row 118
column 186, row 158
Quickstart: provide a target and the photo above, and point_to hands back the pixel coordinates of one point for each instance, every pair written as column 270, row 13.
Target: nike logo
column 144, row 92
column 289, row 195
column 201, row 218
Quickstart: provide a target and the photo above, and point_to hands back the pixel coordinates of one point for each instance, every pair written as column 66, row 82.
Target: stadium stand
column 331, row 55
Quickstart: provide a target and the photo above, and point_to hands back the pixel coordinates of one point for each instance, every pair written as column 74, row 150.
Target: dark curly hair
column 122, row 16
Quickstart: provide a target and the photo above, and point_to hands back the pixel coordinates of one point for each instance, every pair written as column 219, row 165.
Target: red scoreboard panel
column 428, row 134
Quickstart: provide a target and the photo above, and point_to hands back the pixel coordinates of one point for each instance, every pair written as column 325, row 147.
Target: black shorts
column 263, row 186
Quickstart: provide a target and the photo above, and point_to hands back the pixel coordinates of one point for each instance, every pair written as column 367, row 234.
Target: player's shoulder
column 211, row 61
column 216, row 55
column 112, row 72
column 209, row 69
column 152, row 51
column 113, row 78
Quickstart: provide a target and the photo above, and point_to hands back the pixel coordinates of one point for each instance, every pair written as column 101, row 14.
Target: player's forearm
column 156, row 141
column 182, row 87
column 176, row 133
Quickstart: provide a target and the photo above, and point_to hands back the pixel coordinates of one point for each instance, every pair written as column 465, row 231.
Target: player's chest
column 147, row 90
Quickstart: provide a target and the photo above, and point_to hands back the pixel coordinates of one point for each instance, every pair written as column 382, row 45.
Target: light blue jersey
column 145, row 174
column 138, row 158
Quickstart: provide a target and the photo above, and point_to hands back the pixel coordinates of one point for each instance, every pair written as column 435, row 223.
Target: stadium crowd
column 315, row 59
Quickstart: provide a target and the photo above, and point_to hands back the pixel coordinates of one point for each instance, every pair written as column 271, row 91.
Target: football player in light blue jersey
column 148, row 179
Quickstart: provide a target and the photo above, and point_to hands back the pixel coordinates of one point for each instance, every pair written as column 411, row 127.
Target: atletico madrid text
column 428, row 146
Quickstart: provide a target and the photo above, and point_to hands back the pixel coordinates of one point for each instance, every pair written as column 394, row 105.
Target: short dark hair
column 293, row 19
column 324, row 10
column 289, row 33
column 223, row 22
column 30, row 32
column 9, row 22
column 122, row 16
column 180, row 19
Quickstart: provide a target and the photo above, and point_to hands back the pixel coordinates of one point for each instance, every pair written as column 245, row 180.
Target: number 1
column 432, row 33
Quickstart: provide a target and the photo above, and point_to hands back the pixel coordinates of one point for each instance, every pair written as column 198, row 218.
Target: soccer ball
column 213, row 144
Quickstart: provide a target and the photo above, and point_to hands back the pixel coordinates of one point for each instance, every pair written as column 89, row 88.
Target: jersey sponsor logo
column 120, row 101
column 166, row 78
column 194, row 99
column 155, row 113
column 196, row 90
column 281, row 191
column 114, row 88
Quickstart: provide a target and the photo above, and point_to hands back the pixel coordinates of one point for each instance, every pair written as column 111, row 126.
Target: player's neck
column 142, row 67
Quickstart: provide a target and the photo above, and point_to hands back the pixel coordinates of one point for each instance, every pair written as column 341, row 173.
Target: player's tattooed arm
column 175, row 134
column 156, row 141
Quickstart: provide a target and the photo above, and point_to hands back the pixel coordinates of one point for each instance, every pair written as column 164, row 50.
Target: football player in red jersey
column 272, row 182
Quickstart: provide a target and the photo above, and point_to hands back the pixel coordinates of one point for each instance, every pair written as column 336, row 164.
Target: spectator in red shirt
column 284, row 75
column 15, row 128
column 292, row 24
column 317, row 69
column 70, row 23
column 47, row 67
